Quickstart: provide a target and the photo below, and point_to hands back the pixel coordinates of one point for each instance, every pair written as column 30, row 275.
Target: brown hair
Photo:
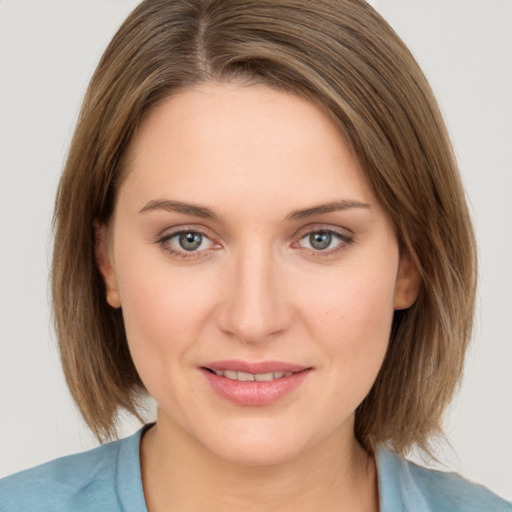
column 341, row 55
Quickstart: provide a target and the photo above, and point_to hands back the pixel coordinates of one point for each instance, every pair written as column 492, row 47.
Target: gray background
column 48, row 51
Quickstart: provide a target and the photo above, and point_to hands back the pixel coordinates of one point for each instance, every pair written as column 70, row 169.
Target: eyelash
column 183, row 254
column 343, row 238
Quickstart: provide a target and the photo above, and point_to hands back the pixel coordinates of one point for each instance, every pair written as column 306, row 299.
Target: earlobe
column 103, row 260
column 407, row 284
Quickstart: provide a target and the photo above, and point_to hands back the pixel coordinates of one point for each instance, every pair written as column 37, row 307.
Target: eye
column 189, row 241
column 186, row 243
column 324, row 240
column 320, row 241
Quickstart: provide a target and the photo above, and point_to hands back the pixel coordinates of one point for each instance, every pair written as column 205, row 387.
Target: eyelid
column 344, row 235
column 180, row 228
column 169, row 233
column 319, row 227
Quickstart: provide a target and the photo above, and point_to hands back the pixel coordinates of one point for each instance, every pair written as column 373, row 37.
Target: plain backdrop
column 48, row 51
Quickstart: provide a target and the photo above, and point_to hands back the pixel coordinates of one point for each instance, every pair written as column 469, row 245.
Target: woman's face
column 256, row 272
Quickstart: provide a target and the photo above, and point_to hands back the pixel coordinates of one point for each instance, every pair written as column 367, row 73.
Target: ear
column 104, row 262
column 407, row 284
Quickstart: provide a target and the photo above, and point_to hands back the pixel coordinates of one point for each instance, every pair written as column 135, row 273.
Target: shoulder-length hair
column 342, row 56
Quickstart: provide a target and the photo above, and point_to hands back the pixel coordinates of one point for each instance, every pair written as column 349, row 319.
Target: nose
column 255, row 306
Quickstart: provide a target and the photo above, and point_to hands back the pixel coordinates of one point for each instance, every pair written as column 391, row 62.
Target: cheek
column 352, row 320
column 354, row 300
column 164, row 313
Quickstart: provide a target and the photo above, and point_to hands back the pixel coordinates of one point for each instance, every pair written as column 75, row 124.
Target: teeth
column 230, row 374
column 248, row 377
column 245, row 377
column 264, row 377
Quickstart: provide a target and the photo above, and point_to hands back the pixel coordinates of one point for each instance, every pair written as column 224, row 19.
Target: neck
column 180, row 474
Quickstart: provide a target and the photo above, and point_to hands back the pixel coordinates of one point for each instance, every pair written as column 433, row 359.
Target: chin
column 253, row 455
column 253, row 446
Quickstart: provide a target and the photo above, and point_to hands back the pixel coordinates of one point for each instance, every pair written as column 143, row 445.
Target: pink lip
column 254, row 393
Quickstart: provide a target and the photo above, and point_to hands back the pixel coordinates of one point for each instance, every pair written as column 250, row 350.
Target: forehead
column 219, row 138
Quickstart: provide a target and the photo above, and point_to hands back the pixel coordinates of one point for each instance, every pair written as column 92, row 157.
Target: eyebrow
column 179, row 207
column 333, row 206
column 206, row 213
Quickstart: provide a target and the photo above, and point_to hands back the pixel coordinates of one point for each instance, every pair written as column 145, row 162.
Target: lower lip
column 254, row 393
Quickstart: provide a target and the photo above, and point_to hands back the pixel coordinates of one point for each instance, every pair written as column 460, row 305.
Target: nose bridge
column 255, row 306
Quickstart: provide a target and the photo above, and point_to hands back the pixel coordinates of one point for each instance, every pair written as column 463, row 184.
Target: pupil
column 320, row 240
column 190, row 241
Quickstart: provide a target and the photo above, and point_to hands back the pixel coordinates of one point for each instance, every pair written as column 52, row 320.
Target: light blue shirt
column 108, row 479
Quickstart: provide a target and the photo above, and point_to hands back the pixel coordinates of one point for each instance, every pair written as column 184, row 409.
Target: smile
column 248, row 377
column 254, row 384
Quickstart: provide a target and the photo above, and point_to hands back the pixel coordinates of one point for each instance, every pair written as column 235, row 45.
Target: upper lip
column 255, row 367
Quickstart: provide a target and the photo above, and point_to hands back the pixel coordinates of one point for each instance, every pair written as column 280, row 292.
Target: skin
column 255, row 290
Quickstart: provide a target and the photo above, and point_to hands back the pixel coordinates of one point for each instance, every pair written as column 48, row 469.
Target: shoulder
column 59, row 484
column 408, row 487
column 83, row 482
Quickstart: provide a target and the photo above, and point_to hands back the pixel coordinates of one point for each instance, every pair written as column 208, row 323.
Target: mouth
column 254, row 384
column 250, row 377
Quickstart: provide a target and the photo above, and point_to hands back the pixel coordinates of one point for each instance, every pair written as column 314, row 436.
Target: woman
column 261, row 225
